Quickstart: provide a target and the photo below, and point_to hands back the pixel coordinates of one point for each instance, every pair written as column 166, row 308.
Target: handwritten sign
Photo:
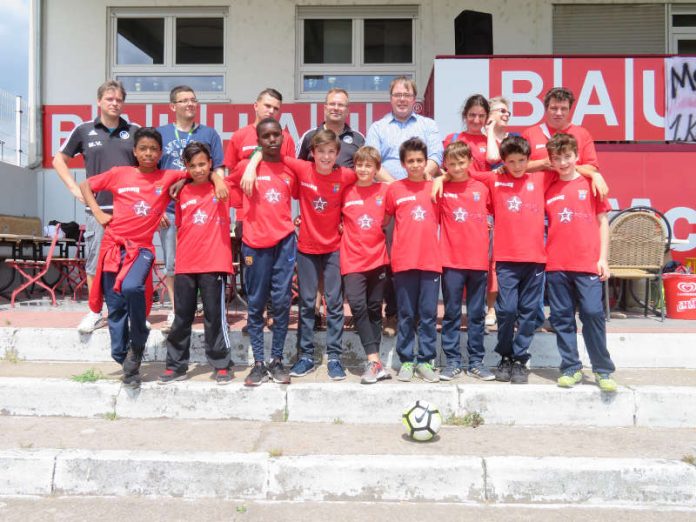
column 680, row 93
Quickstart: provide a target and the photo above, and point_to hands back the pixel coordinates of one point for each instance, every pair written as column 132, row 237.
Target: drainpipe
column 35, row 148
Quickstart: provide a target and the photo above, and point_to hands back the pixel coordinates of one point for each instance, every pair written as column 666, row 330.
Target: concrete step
column 637, row 349
column 342, row 462
column 646, row 398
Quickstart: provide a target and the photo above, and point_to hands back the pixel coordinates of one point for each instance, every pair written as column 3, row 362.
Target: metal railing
column 14, row 119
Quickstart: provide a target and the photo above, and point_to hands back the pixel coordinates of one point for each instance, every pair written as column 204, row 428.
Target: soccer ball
column 422, row 421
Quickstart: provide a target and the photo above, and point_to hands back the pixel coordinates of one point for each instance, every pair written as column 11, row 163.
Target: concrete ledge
column 29, row 396
column 27, row 472
column 537, row 404
column 433, row 478
column 356, row 403
column 590, row 481
column 668, row 406
column 629, row 350
column 381, row 478
column 189, row 475
column 190, row 400
column 530, row 405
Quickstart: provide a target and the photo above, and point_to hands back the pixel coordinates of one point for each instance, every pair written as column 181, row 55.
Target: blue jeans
column 168, row 242
column 454, row 281
column 127, row 310
column 519, row 291
column 268, row 274
column 416, row 297
column 309, row 268
column 566, row 289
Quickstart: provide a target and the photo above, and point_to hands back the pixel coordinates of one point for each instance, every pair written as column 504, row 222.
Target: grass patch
column 241, row 509
column 91, row 375
column 689, row 459
column 11, row 356
column 111, row 415
column 275, row 452
column 338, row 420
column 471, row 420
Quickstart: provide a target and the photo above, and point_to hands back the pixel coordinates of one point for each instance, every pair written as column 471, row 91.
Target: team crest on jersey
column 336, row 187
column 530, row 187
column 582, row 195
column 249, row 260
column 215, row 200
column 158, row 190
column 477, row 196
column 378, row 201
column 348, row 139
column 124, row 135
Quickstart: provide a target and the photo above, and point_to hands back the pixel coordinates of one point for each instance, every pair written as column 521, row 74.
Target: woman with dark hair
column 474, row 115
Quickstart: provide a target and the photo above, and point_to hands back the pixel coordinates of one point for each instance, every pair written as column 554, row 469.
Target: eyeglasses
column 403, row 95
column 337, row 105
column 192, row 101
column 501, row 110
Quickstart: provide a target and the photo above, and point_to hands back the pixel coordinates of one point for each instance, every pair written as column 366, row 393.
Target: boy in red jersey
column 203, row 260
column 141, row 195
column 415, row 261
column 269, row 248
column 576, row 265
column 464, row 211
column 364, row 257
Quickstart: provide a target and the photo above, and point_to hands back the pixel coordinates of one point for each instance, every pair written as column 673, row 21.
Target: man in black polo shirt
column 335, row 115
column 105, row 142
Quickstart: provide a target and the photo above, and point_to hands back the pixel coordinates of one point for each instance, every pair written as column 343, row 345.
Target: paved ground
column 201, row 372
column 172, row 510
column 296, row 438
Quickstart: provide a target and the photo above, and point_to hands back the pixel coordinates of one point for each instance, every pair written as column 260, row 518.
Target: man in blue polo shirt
column 105, row 142
column 387, row 135
column 175, row 136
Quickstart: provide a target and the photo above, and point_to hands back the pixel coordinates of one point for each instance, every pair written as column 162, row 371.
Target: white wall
column 18, row 191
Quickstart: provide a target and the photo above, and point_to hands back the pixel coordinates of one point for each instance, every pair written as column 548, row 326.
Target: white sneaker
column 490, row 319
column 168, row 323
column 91, row 322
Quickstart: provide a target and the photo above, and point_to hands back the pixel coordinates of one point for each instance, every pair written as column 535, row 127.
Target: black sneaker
column 223, row 376
column 504, row 370
column 131, row 365
column 519, row 374
column 131, row 381
column 171, row 376
column 277, row 372
column 257, row 376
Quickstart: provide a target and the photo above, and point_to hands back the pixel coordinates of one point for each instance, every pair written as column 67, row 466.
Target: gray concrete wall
column 18, row 191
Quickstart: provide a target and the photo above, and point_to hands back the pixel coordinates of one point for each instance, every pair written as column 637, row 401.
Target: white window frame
column 169, row 67
column 357, row 14
column 680, row 33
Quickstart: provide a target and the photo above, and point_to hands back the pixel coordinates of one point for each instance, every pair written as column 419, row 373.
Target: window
column 358, row 48
column 682, row 29
column 154, row 50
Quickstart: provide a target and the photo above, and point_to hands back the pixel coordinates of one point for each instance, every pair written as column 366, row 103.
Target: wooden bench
column 20, row 225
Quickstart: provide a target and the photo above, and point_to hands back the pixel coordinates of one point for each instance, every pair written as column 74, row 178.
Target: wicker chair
column 637, row 239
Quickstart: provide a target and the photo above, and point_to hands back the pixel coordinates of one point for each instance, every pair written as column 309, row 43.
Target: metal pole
column 18, row 129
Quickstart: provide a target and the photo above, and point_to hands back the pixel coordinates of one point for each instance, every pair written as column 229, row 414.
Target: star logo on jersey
column 319, row 204
column 141, row 208
column 200, row 217
column 566, row 215
column 514, row 204
column 460, row 215
column 365, row 222
column 418, row 213
column 272, row 196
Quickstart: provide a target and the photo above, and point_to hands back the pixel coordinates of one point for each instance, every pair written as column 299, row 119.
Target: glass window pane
column 684, row 20
column 350, row 82
column 388, row 41
column 140, row 41
column 199, row 84
column 199, row 40
column 686, row 46
column 328, row 41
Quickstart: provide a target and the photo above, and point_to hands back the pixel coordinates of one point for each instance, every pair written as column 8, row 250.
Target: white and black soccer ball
column 422, row 421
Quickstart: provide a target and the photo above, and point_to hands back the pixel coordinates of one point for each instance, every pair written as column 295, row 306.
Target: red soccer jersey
column 415, row 245
column 268, row 210
column 518, row 207
column 573, row 242
column 363, row 245
column 539, row 135
column 320, row 205
column 139, row 200
column 464, row 210
column 478, row 143
column 203, row 231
